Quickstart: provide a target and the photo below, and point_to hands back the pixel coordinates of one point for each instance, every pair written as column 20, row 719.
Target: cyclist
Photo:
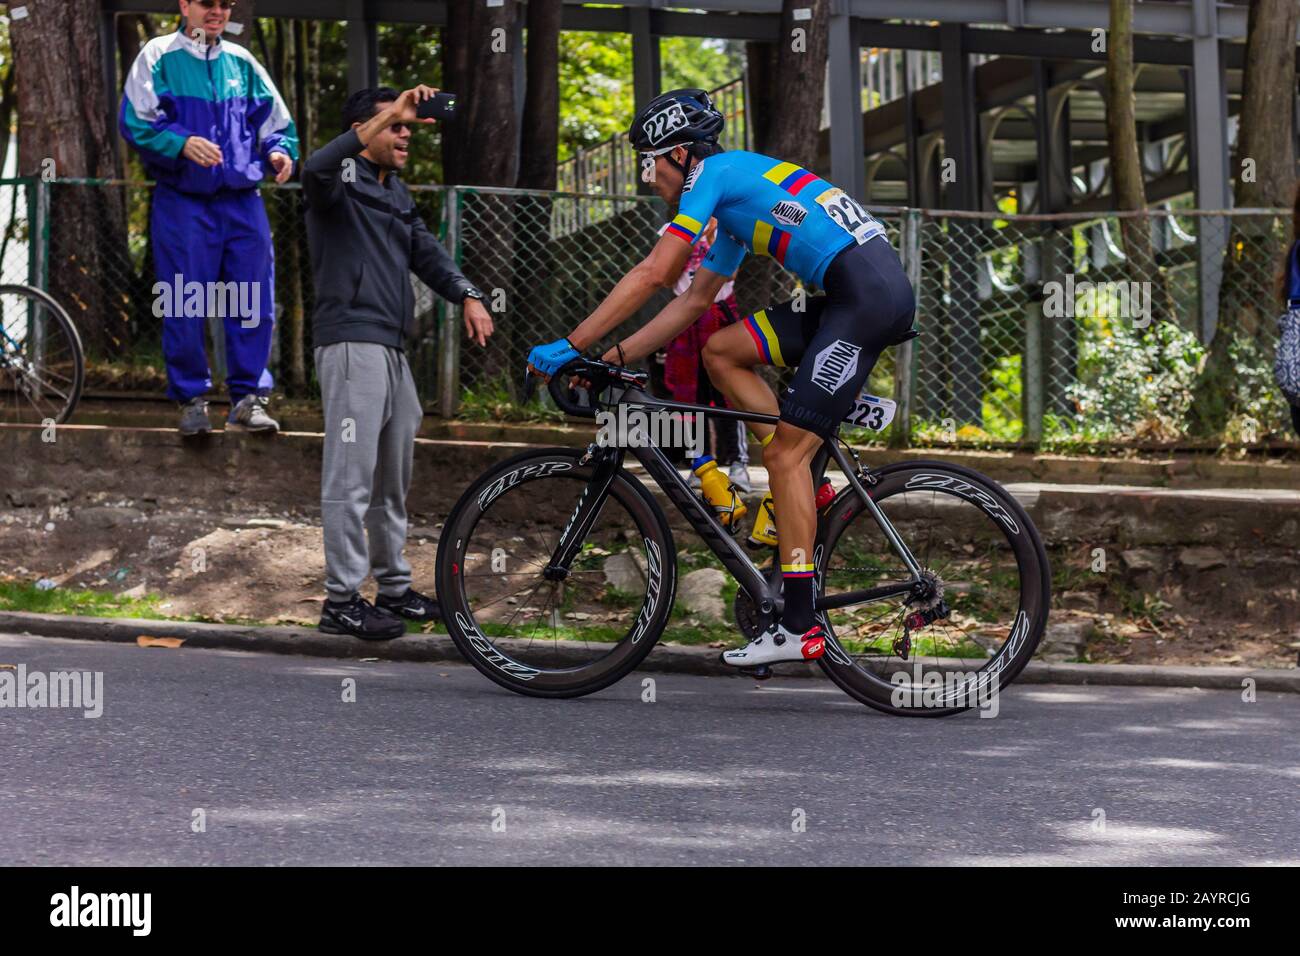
column 818, row 232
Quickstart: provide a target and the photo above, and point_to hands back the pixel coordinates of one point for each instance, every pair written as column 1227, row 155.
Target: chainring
column 746, row 611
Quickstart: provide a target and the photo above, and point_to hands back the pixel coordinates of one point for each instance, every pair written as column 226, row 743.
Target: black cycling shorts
column 837, row 338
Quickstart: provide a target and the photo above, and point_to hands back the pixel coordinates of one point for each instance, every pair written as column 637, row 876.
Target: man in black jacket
column 366, row 238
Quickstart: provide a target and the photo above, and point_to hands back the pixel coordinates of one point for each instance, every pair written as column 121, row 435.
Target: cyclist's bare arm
column 675, row 317
column 659, row 270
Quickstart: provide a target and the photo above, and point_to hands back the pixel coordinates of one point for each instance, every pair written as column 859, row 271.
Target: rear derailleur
column 927, row 606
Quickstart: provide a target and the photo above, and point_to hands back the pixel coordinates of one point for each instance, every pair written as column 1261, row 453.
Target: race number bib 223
column 871, row 412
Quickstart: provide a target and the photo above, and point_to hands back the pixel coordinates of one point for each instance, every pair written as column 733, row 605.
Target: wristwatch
column 472, row 293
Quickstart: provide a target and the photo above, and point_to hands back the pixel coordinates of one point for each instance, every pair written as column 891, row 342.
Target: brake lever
column 530, row 385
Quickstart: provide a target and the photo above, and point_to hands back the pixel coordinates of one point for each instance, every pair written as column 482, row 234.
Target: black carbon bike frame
column 606, row 461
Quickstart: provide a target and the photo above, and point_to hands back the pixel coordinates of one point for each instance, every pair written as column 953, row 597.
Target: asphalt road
column 432, row 764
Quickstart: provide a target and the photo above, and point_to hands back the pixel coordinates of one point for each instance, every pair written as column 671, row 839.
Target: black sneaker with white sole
column 360, row 618
column 412, row 605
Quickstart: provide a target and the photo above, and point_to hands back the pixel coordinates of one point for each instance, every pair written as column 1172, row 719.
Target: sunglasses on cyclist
column 223, row 4
column 648, row 161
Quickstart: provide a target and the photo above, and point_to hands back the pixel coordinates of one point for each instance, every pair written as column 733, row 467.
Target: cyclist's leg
column 775, row 336
column 868, row 305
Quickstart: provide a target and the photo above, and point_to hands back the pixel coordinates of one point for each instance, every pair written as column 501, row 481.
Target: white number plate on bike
column 871, row 412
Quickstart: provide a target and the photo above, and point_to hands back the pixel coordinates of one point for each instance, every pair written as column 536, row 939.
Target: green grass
column 25, row 597
column 495, row 402
column 87, row 603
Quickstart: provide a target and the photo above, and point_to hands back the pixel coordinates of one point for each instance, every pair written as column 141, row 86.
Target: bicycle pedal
column 761, row 672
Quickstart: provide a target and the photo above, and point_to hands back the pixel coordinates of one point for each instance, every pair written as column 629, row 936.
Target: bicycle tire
column 1035, row 585
column 495, row 662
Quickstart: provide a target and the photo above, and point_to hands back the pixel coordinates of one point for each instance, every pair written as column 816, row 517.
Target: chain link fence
column 1092, row 330
column 1085, row 331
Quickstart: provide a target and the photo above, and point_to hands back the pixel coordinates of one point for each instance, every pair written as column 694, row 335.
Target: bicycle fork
column 608, row 461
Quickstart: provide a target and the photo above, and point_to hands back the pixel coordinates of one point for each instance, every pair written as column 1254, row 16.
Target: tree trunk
column 1264, row 142
column 489, row 131
column 245, row 14
column 760, row 64
column 482, row 148
column 457, row 77
column 1128, row 188
column 7, row 102
column 63, row 117
column 797, row 98
column 786, row 90
column 539, row 142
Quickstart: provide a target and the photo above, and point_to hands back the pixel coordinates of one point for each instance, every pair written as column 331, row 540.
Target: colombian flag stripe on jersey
column 684, row 227
column 781, row 244
column 770, row 241
column 790, row 177
column 796, row 181
column 781, row 172
column 769, row 346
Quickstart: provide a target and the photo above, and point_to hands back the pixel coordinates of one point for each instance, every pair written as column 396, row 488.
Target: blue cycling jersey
column 772, row 209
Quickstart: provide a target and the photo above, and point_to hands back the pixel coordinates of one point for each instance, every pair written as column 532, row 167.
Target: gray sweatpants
column 372, row 415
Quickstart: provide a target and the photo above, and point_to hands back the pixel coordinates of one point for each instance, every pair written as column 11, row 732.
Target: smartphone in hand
column 440, row 106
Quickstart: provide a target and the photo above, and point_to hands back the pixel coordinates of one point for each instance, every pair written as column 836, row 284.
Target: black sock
column 798, row 614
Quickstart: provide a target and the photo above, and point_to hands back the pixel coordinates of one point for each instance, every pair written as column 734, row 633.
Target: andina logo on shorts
column 835, row 365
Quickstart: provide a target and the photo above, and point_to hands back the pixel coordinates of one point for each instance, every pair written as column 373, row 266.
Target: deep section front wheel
column 558, row 632
column 975, row 622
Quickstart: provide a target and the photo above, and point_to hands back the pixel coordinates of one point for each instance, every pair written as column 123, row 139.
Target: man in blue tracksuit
column 209, row 124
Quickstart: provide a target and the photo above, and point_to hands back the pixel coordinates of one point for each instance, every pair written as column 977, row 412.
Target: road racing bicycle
column 557, row 569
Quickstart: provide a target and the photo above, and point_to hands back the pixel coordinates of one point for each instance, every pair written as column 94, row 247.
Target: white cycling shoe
column 777, row 645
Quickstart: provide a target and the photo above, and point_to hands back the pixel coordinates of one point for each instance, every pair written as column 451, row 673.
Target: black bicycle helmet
column 677, row 118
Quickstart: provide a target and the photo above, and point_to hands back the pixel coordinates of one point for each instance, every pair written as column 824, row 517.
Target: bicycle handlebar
column 600, row 374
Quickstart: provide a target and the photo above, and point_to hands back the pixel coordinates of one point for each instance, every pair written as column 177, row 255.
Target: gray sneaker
column 194, row 417
column 250, row 415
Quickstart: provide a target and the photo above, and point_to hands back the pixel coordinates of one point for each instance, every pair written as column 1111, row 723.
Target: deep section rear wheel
column 980, row 615
column 546, row 635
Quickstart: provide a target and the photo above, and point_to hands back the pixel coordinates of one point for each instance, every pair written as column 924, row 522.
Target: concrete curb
column 433, row 648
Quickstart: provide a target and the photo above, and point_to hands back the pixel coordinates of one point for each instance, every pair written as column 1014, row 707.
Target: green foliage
column 596, row 99
column 1135, row 383
column 493, row 401
column 706, row 64
column 595, row 88
column 1002, row 401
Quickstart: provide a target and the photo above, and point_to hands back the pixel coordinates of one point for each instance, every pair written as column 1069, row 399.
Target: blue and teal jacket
column 178, row 88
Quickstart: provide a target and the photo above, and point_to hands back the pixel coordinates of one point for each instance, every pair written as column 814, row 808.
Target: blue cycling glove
column 549, row 359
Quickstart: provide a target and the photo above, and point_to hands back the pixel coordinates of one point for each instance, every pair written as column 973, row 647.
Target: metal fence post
column 449, row 334
column 39, row 213
column 1032, row 407
column 910, row 240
